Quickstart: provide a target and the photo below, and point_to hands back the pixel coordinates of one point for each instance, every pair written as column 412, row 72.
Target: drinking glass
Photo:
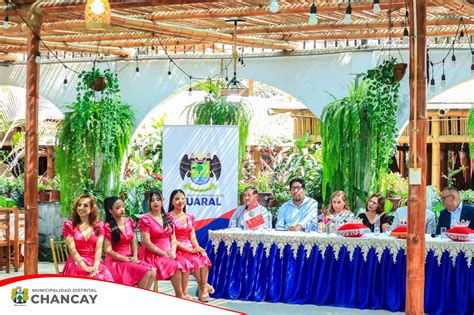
column 443, row 232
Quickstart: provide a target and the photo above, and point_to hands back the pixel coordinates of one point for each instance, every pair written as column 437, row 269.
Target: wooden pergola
column 182, row 25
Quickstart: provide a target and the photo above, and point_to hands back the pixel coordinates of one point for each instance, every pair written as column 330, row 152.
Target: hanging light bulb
column 376, row 7
column 432, row 85
column 190, row 91
column 453, row 60
column 169, row 69
column 274, row 6
column 443, row 80
column 137, row 70
column 462, row 38
column 65, row 84
column 405, row 36
column 472, row 63
column 5, row 22
column 348, row 16
column 313, row 17
column 38, row 57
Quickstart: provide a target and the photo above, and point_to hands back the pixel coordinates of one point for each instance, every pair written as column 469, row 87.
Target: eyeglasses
column 295, row 188
column 443, row 198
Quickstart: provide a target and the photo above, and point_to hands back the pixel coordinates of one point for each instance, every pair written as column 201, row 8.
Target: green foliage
column 95, row 131
column 359, row 135
column 451, row 176
column 394, row 185
column 218, row 110
column 470, row 129
column 304, row 160
column 467, row 196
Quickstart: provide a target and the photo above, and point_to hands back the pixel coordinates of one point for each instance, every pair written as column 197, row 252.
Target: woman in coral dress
column 121, row 247
column 188, row 247
column 159, row 244
column 84, row 237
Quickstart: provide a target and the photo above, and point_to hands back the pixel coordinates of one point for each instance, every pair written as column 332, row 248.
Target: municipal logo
column 203, row 171
column 19, row 296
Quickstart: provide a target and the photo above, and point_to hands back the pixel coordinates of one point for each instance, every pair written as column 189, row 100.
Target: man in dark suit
column 454, row 210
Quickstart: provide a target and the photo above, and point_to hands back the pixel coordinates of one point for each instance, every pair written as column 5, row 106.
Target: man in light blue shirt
column 295, row 213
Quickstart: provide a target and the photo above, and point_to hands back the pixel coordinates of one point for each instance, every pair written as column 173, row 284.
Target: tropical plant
column 451, row 176
column 467, row 196
column 470, row 129
column 394, row 185
column 262, row 182
column 45, row 183
column 304, row 160
column 359, row 135
column 94, row 135
column 218, row 110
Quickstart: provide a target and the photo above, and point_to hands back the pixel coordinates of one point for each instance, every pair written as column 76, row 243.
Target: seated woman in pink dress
column 84, row 237
column 121, row 247
column 159, row 244
column 188, row 247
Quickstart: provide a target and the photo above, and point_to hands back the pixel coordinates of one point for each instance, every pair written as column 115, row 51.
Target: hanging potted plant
column 96, row 80
column 94, row 135
column 399, row 70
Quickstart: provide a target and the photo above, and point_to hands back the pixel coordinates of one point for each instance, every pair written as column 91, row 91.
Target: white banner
column 202, row 161
column 66, row 295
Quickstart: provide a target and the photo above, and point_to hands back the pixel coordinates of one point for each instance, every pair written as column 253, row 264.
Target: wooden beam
column 294, row 8
column 436, row 154
column 53, row 7
column 50, row 162
column 31, row 148
column 339, row 26
column 65, row 47
column 415, row 273
column 193, row 33
column 459, row 7
column 9, row 58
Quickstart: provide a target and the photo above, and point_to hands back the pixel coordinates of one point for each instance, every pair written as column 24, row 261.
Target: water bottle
column 377, row 226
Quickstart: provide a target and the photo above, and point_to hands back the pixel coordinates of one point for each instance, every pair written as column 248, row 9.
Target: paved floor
column 251, row 308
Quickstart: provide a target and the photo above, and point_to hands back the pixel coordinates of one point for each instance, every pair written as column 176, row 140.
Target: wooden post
column 31, row 147
column 251, row 88
column 417, row 138
column 443, row 166
column 50, row 163
column 436, row 153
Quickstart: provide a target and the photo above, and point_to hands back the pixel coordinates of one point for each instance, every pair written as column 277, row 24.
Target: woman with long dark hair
column 375, row 213
column 188, row 247
column 159, row 244
column 84, row 236
column 121, row 247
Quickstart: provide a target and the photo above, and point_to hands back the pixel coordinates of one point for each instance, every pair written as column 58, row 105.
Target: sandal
column 210, row 289
column 203, row 294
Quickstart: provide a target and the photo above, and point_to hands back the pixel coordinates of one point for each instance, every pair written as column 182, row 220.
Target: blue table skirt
column 359, row 284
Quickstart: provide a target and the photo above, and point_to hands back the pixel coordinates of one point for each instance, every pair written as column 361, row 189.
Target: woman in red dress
column 188, row 247
column 84, row 236
column 159, row 244
column 121, row 247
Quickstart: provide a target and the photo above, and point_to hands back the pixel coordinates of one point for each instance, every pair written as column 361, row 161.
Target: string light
column 472, row 62
column 348, row 16
column 462, row 38
column 38, row 57
column 376, row 7
column 432, row 82
column 453, row 60
column 405, row 36
column 169, row 68
column 313, row 17
column 274, row 6
column 137, row 69
column 443, row 77
column 190, row 90
column 5, row 21
column 65, row 78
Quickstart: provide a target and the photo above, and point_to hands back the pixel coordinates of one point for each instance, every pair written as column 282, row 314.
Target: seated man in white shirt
column 401, row 215
column 247, row 216
column 295, row 213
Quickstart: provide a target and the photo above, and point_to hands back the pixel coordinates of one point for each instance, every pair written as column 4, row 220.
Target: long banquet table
column 314, row 268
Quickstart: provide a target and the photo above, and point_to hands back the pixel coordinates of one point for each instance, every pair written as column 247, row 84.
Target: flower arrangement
column 45, row 183
column 326, row 220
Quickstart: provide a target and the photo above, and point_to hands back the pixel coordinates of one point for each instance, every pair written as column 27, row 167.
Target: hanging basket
column 99, row 84
column 399, row 70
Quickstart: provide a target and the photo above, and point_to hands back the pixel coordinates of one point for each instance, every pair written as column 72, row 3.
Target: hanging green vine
column 218, row 110
column 95, row 131
column 359, row 135
column 470, row 127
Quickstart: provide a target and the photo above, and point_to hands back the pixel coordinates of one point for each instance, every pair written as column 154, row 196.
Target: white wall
column 307, row 78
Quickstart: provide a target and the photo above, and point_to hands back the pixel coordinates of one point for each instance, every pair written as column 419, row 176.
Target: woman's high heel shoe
column 203, row 294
